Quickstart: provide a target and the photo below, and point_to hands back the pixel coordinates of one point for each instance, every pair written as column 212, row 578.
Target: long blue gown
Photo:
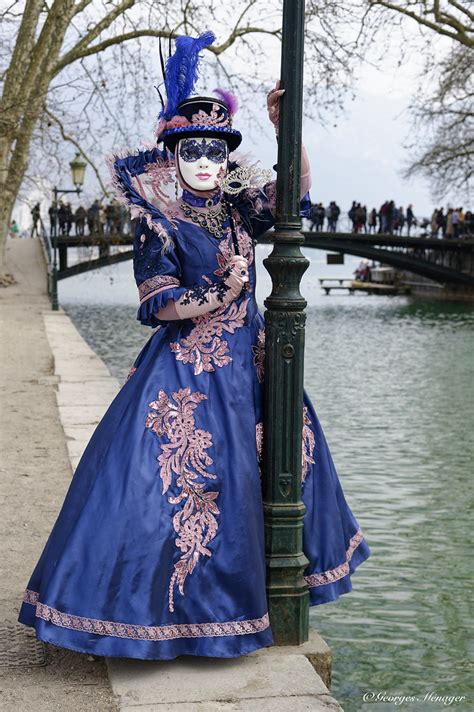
column 158, row 549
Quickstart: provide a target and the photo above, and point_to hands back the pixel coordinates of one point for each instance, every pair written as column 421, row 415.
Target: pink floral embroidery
column 259, row 441
column 30, row 597
column 162, row 174
column 340, row 571
column 145, row 632
column 156, row 284
column 131, row 372
column 204, row 347
column 212, row 119
column 307, row 445
column 226, row 248
column 258, row 350
column 184, row 455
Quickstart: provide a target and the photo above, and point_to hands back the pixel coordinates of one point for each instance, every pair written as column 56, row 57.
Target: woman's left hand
column 273, row 103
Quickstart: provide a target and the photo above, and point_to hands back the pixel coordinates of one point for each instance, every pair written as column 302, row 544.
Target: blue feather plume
column 182, row 70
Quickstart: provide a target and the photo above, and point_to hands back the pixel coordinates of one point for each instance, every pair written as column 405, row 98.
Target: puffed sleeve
column 257, row 208
column 157, row 269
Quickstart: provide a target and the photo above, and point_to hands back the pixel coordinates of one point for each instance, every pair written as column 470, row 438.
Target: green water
column 391, row 381
column 393, row 387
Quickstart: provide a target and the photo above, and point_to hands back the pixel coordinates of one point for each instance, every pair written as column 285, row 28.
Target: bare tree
column 441, row 147
column 444, row 122
column 73, row 64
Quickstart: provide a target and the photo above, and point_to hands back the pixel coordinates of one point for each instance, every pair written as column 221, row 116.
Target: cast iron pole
column 284, row 352
column 54, row 273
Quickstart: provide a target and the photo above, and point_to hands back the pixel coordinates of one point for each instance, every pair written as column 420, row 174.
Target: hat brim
column 232, row 137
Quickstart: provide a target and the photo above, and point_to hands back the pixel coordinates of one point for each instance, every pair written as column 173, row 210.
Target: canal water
column 391, row 380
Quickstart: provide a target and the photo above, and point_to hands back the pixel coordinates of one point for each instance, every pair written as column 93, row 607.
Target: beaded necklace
column 212, row 219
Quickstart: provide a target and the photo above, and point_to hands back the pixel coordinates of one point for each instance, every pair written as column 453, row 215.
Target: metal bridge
column 443, row 261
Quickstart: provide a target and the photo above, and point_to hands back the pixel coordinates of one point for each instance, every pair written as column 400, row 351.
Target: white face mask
column 202, row 161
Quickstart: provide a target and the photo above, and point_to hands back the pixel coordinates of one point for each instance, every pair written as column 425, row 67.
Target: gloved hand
column 199, row 300
column 238, row 268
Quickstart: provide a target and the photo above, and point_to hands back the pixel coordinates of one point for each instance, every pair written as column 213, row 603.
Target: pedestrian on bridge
column 384, row 217
column 62, row 218
column 400, row 220
column 314, row 217
column 333, row 212
column 93, row 218
column 455, row 219
column 411, row 219
column 110, row 216
column 468, row 225
column 53, row 219
column 372, row 221
column 80, row 220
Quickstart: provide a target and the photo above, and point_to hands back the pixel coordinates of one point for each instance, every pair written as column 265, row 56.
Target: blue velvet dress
column 158, row 549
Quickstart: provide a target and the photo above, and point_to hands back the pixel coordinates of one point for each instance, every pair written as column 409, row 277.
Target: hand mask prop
column 202, row 162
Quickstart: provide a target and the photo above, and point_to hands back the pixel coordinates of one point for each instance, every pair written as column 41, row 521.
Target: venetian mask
column 202, row 161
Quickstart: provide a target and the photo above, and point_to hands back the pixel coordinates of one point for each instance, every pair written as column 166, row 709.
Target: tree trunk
column 26, row 84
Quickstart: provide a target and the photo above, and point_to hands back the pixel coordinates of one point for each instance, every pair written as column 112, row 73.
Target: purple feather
column 182, row 70
column 229, row 99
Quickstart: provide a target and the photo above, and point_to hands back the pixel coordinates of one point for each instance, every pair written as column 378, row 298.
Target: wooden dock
column 330, row 284
column 334, row 283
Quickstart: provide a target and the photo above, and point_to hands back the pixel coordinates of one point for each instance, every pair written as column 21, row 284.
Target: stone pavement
column 35, row 473
column 273, row 679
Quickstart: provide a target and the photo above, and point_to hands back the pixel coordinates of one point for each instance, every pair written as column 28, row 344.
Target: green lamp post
column 78, row 170
column 284, row 352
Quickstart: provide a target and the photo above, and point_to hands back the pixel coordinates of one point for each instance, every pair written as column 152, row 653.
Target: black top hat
column 201, row 116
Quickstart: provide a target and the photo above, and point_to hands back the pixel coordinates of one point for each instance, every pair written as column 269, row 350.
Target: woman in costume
column 158, row 550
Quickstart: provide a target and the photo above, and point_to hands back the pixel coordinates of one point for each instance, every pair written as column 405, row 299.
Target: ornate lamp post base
column 287, row 589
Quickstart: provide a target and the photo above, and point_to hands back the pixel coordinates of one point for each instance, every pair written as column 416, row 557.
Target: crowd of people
column 392, row 220
column 97, row 219
column 104, row 219
column 452, row 223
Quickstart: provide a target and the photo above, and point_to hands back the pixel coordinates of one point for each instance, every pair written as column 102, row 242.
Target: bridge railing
column 47, row 248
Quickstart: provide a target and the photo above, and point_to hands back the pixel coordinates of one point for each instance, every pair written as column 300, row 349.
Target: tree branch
column 77, row 51
column 237, row 34
column 73, row 55
column 81, row 6
column 460, row 33
column 75, row 143
column 462, row 9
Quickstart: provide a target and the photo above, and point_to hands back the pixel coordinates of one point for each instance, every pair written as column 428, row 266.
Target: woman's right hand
column 239, row 275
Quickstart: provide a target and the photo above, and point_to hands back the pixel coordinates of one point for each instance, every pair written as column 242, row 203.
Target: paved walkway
column 61, row 368
column 34, row 475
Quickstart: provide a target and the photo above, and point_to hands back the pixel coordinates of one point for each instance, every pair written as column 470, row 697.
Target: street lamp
column 287, row 591
column 78, row 169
